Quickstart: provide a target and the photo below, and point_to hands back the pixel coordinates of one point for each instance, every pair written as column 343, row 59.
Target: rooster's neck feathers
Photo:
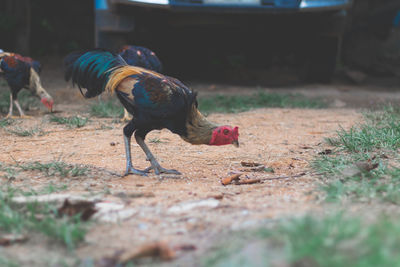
column 120, row 73
column 199, row 129
column 36, row 86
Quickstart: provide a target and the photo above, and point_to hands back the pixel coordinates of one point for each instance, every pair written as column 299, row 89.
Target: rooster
column 155, row 101
column 23, row 72
column 139, row 56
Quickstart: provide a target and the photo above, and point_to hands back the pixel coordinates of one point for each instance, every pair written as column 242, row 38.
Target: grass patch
column 332, row 241
column 52, row 168
column 375, row 142
column 71, row 122
column 25, row 132
column 240, row 103
column 6, row 122
column 16, row 219
column 381, row 130
column 107, row 109
column 7, row 263
column 155, row 140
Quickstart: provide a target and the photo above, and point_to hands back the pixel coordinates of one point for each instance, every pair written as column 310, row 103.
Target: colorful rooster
column 155, row 101
column 139, row 56
column 23, row 72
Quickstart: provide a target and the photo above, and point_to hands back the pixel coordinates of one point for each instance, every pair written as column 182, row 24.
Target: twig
column 230, row 179
column 248, row 181
column 283, row 177
column 259, row 180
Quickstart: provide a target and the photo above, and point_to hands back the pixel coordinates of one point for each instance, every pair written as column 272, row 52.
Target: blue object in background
column 100, row 4
column 396, row 21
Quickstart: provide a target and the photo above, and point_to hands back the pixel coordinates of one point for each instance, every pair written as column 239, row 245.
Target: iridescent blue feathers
column 91, row 70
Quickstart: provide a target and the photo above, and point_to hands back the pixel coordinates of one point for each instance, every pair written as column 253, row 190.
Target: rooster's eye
column 226, row 131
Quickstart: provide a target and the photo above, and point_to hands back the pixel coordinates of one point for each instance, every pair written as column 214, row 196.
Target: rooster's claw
column 159, row 170
column 135, row 172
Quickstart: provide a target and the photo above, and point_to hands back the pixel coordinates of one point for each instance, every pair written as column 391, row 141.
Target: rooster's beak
column 235, row 143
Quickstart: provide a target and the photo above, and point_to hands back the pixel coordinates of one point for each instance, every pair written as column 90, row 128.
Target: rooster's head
column 225, row 135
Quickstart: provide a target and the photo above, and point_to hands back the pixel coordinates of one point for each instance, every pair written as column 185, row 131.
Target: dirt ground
column 193, row 210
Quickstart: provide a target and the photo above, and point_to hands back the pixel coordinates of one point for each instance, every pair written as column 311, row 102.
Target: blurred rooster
column 23, row 72
column 155, row 101
column 139, row 56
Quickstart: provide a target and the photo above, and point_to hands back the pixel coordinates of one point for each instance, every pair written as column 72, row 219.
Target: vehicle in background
column 311, row 29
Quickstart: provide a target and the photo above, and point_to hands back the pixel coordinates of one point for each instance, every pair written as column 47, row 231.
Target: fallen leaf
column 10, row 239
column 158, row 250
column 85, row 208
column 230, row 179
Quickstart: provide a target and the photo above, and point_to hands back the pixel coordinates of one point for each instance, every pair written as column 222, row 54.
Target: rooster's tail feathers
column 91, row 70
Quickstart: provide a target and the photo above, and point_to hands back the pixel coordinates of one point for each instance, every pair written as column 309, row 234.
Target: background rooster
column 23, row 72
column 141, row 57
column 155, row 101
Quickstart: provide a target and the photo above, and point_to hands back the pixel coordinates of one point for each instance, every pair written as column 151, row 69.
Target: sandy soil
column 283, row 139
column 195, row 208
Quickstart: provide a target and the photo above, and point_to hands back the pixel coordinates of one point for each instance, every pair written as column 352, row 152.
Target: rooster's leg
column 10, row 110
column 21, row 112
column 128, row 131
column 154, row 164
column 126, row 117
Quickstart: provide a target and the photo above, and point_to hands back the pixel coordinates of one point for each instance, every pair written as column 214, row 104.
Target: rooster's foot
column 158, row 170
column 125, row 119
column 135, row 172
column 25, row 117
column 11, row 117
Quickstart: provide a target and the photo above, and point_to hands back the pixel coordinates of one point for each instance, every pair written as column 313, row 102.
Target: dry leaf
column 230, row 179
column 154, row 250
column 10, row 239
column 85, row 208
